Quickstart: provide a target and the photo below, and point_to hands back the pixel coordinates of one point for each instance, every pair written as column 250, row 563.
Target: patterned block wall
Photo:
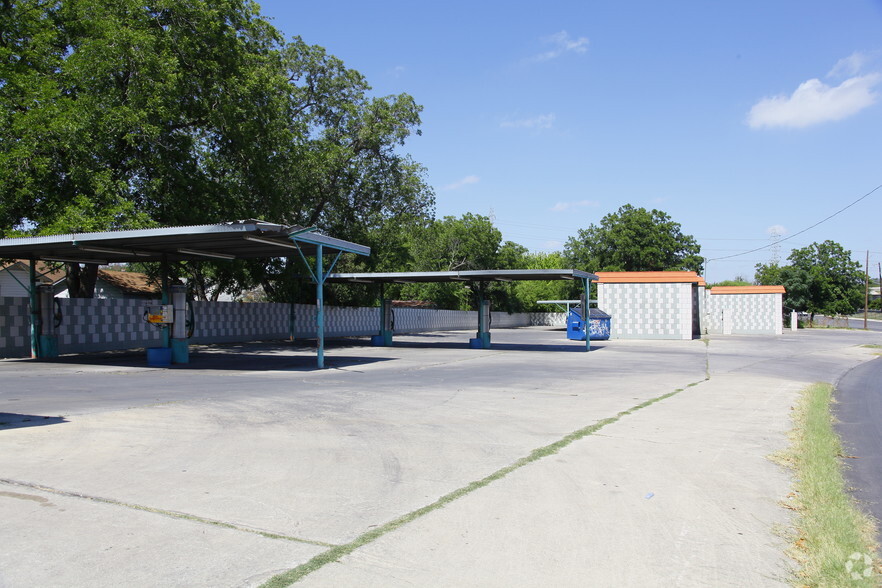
column 93, row 324
column 15, row 330
column 217, row 322
column 746, row 314
column 108, row 324
column 649, row 311
column 548, row 319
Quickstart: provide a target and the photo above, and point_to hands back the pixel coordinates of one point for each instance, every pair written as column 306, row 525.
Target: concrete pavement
column 240, row 467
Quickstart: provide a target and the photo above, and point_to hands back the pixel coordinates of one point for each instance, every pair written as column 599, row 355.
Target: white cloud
column 564, row 206
column 461, row 183
column 815, row 102
column 850, row 66
column 397, row 71
column 552, row 245
column 543, row 121
column 561, row 43
column 776, row 231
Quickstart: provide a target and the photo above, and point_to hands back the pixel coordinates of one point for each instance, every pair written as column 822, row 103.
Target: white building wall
column 745, row 314
column 648, row 311
column 9, row 286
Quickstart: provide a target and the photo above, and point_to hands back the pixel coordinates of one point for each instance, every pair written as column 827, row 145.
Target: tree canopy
column 634, row 239
column 470, row 242
column 820, row 279
column 123, row 114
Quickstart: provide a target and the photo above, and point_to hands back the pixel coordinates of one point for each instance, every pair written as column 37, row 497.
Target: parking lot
column 427, row 463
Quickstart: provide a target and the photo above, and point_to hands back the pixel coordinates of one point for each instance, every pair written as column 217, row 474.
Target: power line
column 841, row 210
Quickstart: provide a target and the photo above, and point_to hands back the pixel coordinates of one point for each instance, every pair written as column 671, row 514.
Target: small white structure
column 652, row 305
column 745, row 310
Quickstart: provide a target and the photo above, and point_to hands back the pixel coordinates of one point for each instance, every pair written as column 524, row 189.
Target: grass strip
column 832, row 537
column 160, row 511
column 339, row 551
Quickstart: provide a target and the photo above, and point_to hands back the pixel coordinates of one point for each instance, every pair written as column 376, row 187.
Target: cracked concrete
column 261, row 441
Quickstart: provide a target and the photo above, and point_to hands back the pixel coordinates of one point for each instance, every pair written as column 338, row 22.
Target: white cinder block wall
column 747, row 314
column 648, row 311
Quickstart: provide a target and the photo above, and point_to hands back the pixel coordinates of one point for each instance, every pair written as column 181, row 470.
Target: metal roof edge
column 136, row 233
column 340, row 244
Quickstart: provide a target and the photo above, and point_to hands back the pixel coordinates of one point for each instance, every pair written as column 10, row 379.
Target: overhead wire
column 841, row 210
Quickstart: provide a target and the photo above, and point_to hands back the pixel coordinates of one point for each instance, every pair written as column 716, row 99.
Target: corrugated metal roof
column 234, row 240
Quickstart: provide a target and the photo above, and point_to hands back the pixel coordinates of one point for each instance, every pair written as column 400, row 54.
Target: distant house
column 131, row 285
column 14, row 277
column 110, row 283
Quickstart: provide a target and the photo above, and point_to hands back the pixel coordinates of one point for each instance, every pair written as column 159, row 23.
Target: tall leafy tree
column 528, row 293
column 634, row 239
column 820, row 279
column 124, row 114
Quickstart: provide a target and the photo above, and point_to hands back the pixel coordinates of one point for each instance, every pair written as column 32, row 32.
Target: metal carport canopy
column 246, row 239
column 234, row 240
column 463, row 276
column 470, row 276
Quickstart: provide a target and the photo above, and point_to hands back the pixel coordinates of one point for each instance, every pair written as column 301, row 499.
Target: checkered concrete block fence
column 218, row 322
column 93, row 324
column 504, row 320
column 15, row 330
column 109, row 324
column 744, row 314
column 548, row 319
column 648, row 311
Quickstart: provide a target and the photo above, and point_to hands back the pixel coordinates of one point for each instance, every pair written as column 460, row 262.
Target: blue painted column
column 586, row 283
column 320, row 306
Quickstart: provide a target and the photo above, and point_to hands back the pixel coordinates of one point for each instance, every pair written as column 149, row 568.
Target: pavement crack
column 164, row 512
column 337, row 552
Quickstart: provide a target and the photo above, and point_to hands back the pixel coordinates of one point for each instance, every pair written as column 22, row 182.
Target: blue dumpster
column 599, row 325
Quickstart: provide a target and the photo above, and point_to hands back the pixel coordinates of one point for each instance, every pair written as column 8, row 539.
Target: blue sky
column 741, row 120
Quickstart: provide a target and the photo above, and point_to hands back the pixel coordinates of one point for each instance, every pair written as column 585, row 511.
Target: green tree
column 470, row 242
column 768, row 274
column 820, row 279
column 529, row 292
column 176, row 112
column 634, row 239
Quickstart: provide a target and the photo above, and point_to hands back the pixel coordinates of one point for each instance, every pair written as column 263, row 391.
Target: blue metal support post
column 319, row 276
column 586, row 283
column 320, row 306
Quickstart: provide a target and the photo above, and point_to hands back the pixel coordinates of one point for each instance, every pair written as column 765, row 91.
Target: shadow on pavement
column 14, row 420
column 258, row 356
column 580, row 348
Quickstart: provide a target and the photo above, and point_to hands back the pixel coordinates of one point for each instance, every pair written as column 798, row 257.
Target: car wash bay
column 234, row 240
